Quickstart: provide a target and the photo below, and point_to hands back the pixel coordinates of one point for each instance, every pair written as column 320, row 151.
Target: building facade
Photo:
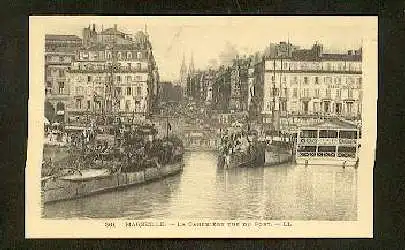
column 60, row 52
column 207, row 83
column 255, row 88
column 222, row 89
column 310, row 85
column 114, row 75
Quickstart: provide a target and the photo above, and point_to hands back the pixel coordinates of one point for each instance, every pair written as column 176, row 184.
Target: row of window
column 120, row 55
column 101, row 67
column 100, row 90
column 79, row 104
column 328, row 66
column 116, row 78
column 327, row 107
column 60, row 89
column 316, row 80
column 306, row 92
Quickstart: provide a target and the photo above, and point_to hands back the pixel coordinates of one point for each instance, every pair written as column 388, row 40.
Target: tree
column 49, row 111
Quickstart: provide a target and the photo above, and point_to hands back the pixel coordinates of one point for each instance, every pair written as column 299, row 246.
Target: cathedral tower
column 183, row 75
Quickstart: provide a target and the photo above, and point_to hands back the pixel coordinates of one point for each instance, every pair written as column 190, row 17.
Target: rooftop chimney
column 115, row 27
column 357, row 52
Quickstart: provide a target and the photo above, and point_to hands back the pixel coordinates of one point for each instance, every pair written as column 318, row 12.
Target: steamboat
column 240, row 148
column 328, row 143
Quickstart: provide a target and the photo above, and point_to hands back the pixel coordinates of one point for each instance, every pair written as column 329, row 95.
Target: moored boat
column 278, row 149
column 239, row 148
column 328, row 143
column 104, row 166
column 93, row 181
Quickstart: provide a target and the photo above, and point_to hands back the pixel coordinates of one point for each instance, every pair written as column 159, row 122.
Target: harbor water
column 201, row 191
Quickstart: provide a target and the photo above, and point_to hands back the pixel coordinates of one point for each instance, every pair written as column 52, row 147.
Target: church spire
column 191, row 67
column 183, row 69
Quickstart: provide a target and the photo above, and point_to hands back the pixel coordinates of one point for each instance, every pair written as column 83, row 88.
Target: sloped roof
column 62, row 37
column 340, row 57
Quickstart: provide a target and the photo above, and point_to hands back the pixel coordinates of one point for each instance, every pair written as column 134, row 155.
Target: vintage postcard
column 201, row 126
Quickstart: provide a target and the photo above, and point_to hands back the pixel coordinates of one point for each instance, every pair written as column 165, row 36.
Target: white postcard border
column 37, row 227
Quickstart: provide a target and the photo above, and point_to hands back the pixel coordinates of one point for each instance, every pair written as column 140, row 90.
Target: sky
column 208, row 37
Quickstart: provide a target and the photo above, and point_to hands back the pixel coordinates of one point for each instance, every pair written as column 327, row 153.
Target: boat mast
column 114, row 94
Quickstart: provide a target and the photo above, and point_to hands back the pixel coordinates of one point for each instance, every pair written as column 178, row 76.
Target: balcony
column 328, row 141
column 58, row 62
column 326, row 154
column 346, row 155
column 306, row 154
column 305, row 98
column 351, row 142
column 105, row 69
column 350, row 99
column 351, row 71
column 57, row 96
column 308, row 141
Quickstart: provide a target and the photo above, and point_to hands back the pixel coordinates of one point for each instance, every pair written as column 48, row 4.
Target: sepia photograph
column 158, row 126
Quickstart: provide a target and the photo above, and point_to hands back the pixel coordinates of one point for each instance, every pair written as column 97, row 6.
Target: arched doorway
column 60, row 112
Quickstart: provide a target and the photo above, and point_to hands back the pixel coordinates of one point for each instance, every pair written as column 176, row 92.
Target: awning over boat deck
column 330, row 125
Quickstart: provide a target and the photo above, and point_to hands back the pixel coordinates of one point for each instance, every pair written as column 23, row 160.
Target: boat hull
column 241, row 160
column 57, row 189
column 275, row 158
column 347, row 162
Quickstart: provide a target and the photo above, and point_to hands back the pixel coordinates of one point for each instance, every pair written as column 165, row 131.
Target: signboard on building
column 75, row 127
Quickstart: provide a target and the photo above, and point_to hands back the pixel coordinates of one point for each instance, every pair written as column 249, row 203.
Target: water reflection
column 203, row 191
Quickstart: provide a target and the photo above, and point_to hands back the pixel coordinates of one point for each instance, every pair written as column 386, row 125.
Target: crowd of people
column 128, row 151
column 144, row 154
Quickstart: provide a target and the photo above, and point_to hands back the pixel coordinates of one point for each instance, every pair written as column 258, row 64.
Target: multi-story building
column 310, row 85
column 255, row 88
column 281, row 49
column 168, row 92
column 194, row 90
column 207, row 83
column 114, row 75
column 59, row 54
column 239, row 84
column 222, row 89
